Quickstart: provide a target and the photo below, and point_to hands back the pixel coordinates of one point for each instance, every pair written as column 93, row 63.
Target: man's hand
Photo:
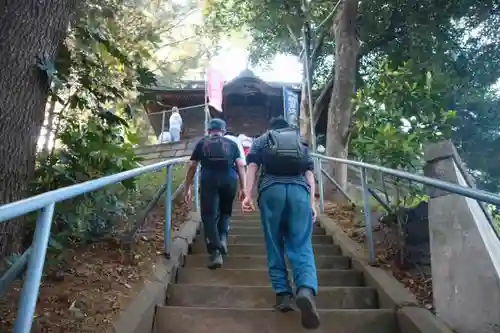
column 241, row 195
column 188, row 196
column 247, row 205
column 314, row 214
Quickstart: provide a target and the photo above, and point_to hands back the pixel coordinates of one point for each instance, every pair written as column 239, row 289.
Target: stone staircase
column 238, row 297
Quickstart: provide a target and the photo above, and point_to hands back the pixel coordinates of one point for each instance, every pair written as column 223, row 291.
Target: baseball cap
column 217, row 125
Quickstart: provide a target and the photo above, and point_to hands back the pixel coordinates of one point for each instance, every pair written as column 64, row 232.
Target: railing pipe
column 14, row 272
column 381, row 201
column 180, row 109
column 450, row 187
column 168, row 212
column 196, row 190
column 163, row 116
column 330, row 178
column 368, row 218
column 26, row 206
column 319, row 175
column 31, row 286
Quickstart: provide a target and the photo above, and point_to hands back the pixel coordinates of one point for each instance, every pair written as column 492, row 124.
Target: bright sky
column 284, row 68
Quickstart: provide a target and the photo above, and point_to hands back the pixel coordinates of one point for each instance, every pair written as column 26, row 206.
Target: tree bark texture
column 29, row 29
column 340, row 107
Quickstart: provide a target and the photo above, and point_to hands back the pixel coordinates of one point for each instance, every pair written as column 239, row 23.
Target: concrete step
column 241, row 297
column 171, row 319
column 259, row 239
column 199, row 247
column 238, row 229
column 260, row 262
column 238, row 215
column 260, row 277
column 246, row 221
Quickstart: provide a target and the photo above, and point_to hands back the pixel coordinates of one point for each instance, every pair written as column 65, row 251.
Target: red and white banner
column 215, row 83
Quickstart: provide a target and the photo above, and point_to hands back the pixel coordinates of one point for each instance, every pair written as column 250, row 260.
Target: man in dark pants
column 287, row 209
column 221, row 166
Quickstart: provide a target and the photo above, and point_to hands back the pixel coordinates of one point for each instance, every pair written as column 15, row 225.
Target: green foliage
column 496, row 217
column 457, row 39
column 396, row 112
column 91, row 149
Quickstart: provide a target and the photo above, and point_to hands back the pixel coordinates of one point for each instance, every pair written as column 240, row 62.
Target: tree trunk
column 304, row 127
column 29, row 30
column 340, row 107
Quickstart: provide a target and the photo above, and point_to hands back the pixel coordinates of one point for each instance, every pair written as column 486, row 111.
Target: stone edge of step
column 392, row 295
column 138, row 316
column 389, row 323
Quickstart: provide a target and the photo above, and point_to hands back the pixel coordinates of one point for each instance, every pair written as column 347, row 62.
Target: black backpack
column 217, row 153
column 284, row 153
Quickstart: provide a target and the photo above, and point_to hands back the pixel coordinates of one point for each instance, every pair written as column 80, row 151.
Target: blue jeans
column 287, row 224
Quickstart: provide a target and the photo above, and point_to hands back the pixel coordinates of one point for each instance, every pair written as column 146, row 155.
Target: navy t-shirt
column 207, row 173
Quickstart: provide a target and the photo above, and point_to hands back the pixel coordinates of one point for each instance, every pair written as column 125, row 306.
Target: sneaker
column 215, row 260
column 309, row 314
column 284, row 302
column 223, row 243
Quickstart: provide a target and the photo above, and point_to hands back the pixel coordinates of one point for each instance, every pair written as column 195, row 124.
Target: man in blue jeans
column 221, row 167
column 287, row 208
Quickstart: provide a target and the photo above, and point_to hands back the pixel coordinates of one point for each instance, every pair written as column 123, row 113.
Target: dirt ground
column 95, row 282
column 418, row 280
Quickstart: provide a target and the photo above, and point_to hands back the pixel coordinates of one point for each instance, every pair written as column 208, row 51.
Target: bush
column 97, row 147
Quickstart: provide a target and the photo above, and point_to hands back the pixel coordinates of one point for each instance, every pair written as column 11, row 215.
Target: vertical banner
column 291, row 107
column 215, row 84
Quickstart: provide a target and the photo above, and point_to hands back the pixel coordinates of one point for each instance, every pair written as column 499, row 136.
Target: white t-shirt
column 165, row 137
column 245, row 140
column 240, row 147
column 175, row 120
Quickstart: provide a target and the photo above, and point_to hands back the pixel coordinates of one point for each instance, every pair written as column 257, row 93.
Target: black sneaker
column 305, row 302
column 215, row 260
column 284, row 302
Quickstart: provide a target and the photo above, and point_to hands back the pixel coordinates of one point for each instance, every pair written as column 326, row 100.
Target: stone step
column 241, row 297
column 256, row 230
column 199, row 247
column 260, row 262
column 235, row 239
column 254, row 222
column 170, row 319
column 238, row 215
column 260, row 277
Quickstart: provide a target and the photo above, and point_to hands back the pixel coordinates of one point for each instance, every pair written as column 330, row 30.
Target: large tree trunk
column 340, row 107
column 29, row 29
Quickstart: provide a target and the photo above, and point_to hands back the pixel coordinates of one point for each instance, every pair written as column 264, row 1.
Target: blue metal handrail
column 468, row 192
column 35, row 255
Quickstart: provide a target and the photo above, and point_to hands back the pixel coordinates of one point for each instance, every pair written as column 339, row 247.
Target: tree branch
column 322, row 98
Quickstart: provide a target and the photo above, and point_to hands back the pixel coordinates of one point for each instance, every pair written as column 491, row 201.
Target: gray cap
column 217, row 125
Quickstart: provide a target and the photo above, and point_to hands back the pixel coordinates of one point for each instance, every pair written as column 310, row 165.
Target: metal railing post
column 196, row 190
column 163, row 116
column 31, row 286
column 368, row 218
column 168, row 212
column 319, row 175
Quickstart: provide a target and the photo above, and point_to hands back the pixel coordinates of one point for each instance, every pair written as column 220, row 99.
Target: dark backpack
column 217, row 153
column 284, row 153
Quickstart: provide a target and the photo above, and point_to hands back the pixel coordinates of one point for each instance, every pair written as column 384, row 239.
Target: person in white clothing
column 165, row 137
column 246, row 142
column 235, row 139
column 175, row 124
